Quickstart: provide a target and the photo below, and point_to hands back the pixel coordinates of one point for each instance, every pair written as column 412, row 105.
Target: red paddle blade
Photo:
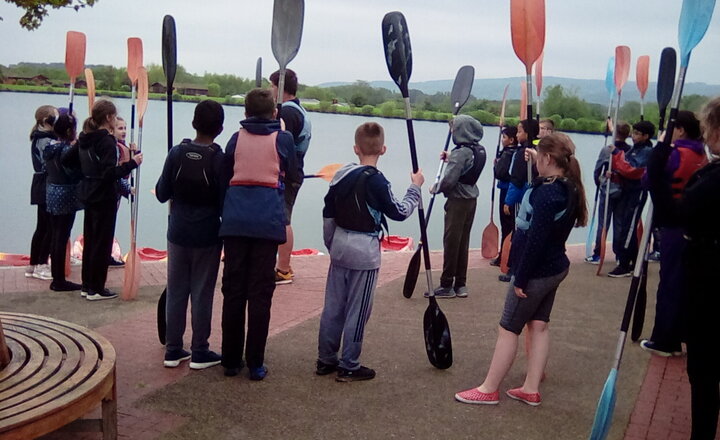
column 74, row 54
column 538, row 74
column 90, row 80
column 135, row 58
column 523, row 100
column 642, row 73
column 527, row 25
column 142, row 99
column 622, row 66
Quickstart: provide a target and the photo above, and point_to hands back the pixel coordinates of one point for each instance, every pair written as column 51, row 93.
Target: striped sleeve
column 381, row 198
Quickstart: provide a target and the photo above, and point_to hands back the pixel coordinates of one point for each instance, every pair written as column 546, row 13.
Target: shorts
column 536, row 307
column 291, row 192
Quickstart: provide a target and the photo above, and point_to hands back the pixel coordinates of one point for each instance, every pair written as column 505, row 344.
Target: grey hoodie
column 466, row 131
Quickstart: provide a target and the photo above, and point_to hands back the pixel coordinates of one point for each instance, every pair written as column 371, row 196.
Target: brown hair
column 259, row 103
column 102, row 109
column 291, row 82
column 710, row 122
column 44, row 114
column 562, row 150
column 370, row 138
column 622, row 130
column 548, row 122
column 65, row 127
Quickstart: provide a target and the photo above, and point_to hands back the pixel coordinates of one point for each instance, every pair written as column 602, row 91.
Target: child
column 120, row 133
column 550, row 208
column 97, row 153
column 62, row 202
column 547, row 127
column 40, row 137
column 355, row 206
column 191, row 179
column 465, row 163
column 259, row 158
column 502, row 175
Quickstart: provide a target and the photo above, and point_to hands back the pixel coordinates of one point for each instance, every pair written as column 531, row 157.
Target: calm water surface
column 332, row 142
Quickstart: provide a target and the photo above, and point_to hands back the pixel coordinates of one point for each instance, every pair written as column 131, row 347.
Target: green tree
column 387, row 109
column 568, row 124
column 37, row 10
column 213, row 90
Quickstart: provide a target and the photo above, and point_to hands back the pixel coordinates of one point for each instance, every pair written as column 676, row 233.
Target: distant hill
column 590, row 90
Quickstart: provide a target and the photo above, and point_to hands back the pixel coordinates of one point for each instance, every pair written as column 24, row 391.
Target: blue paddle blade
column 606, row 407
column 694, row 20
column 610, row 78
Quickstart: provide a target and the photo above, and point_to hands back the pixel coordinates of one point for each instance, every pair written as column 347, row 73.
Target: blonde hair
column 710, row 122
column 370, row 138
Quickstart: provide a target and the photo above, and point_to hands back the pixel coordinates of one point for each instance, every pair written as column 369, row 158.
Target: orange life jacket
column 256, row 160
column 690, row 162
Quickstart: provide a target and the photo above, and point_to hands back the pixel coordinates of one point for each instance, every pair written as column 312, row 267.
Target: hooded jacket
column 40, row 140
column 468, row 157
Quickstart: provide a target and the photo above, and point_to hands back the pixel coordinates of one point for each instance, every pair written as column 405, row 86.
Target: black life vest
column 471, row 176
column 195, row 181
column 351, row 209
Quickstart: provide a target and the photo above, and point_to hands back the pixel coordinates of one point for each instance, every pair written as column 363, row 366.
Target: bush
column 588, row 125
column 20, row 82
column 387, row 109
column 557, row 119
column 325, row 106
column 366, row 110
column 213, row 89
column 512, row 122
column 418, row 114
column 485, row 117
column 568, row 124
column 124, row 88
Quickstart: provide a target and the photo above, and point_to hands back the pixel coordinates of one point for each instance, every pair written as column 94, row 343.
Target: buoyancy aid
column 690, row 161
column 524, row 216
column 306, row 132
column 256, row 160
column 352, row 211
column 479, row 157
column 195, row 181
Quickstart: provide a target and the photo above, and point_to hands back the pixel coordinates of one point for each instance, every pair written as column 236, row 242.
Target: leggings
column 40, row 244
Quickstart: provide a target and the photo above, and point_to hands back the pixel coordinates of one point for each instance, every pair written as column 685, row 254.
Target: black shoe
column 93, row 295
column 258, row 373
column 322, row 369
column 495, row 262
column 64, row 286
column 116, row 263
column 620, row 272
column 362, row 373
column 234, row 371
column 206, row 359
column 175, row 357
column 504, row 278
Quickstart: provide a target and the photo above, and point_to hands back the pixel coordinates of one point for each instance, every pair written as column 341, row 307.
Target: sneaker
column 322, row 369
column 234, row 371
column 442, row 292
column 653, row 348
column 84, row 292
column 495, row 262
column 477, row 397
column 461, row 292
column 620, row 272
column 175, row 357
column 258, row 373
column 42, row 272
column 593, row 259
column 64, row 286
column 505, row 278
column 29, row 271
column 283, row 277
column 532, row 399
column 362, row 373
column 75, row 261
column 98, row 296
column 204, row 359
column 654, row 256
column 115, row 263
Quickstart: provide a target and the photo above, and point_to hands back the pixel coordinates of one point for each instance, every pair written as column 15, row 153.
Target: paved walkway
column 661, row 410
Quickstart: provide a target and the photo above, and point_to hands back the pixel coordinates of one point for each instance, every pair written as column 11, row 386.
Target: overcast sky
column 342, row 39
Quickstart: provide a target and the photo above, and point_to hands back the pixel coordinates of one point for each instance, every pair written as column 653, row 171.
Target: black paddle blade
column 258, row 73
column 169, row 50
column 287, row 27
column 161, row 317
column 438, row 342
column 411, row 276
column 462, row 87
column 398, row 53
column 666, row 77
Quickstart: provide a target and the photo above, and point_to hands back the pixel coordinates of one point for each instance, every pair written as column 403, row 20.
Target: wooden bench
column 58, row 372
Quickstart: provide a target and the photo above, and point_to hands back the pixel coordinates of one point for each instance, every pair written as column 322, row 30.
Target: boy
column 259, row 159
column 547, row 127
column 191, row 178
column 459, row 184
column 355, row 206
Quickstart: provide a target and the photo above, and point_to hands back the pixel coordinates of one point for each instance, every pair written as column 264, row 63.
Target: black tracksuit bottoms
column 98, row 231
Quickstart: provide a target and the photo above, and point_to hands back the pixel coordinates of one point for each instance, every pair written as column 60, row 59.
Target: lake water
column 332, row 142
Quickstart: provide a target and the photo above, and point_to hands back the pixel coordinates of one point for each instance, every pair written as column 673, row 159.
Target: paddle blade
column 507, row 243
column 162, row 316
column 694, row 20
column 538, row 74
column 606, row 407
column 438, row 342
column 258, row 73
column 527, row 25
column 523, row 100
column 642, row 72
column 287, row 27
column 74, row 54
column 462, row 87
column 142, row 99
column 411, row 276
column 169, row 50
column 328, row 171
column 666, row 77
column 90, row 80
column 603, row 246
column 489, row 247
column 131, row 281
column 135, row 57
column 610, row 77
column 622, row 67
column 398, row 53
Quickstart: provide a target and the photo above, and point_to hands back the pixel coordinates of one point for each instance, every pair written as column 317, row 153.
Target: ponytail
column 101, row 111
column 45, row 114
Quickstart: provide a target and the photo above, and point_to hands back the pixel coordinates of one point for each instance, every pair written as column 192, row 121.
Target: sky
column 342, row 39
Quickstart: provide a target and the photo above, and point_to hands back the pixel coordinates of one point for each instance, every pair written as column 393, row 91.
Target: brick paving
column 662, row 409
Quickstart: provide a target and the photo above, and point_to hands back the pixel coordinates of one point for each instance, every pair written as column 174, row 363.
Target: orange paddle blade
column 90, row 80
column 131, row 283
column 489, row 245
column 622, row 66
column 603, row 245
column 142, row 100
column 523, row 100
column 527, row 26
column 538, row 74
column 642, row 72
column 135, row 58
column 74, row 54
column 504, row 268
column 328, row 171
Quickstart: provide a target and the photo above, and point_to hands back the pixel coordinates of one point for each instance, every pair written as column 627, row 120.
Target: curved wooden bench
column 58, row 372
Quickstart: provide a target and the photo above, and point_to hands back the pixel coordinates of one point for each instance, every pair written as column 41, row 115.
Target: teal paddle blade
column 606, row 407
column 609, row 77
column 694, row 20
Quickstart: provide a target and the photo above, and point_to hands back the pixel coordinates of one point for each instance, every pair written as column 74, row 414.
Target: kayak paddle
column 462, row 86
column 538, row 83
column 666, row 82
column 258, row 73
column 527, row 23
column 398, row 56
column 74, row 59
column 620, row 76
column 642, row 71
column 287, row 27
column 90, row 80
column 326, row 173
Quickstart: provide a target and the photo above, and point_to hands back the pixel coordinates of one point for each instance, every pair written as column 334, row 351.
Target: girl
column 61, row 198
column 97, row 153
column 502, row 174
column 549, row 210
column 40, row 136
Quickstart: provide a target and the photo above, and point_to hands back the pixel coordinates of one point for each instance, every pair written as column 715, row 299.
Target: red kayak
column 150, row 254
column 396, row 243
column 307, row 251
column 14, row 259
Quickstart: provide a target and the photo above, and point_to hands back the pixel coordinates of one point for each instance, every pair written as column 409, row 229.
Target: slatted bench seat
column 58, row 372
